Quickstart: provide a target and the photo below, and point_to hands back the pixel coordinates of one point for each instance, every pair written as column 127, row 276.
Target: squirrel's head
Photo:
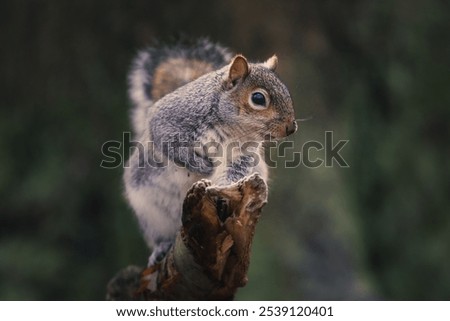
column 263, row 103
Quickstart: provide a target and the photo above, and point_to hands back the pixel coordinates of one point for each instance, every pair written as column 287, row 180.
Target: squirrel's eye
column 259, row 99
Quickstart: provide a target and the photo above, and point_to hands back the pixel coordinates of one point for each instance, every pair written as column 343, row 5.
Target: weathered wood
column 211, row 254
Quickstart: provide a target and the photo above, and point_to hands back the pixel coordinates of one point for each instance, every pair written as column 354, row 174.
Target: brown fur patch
column 176, row 72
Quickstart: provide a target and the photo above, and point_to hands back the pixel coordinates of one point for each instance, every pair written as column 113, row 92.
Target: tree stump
column 211, row 254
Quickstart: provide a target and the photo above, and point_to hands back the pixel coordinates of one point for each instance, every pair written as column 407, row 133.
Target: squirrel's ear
column 272, row 63
column 238, row 70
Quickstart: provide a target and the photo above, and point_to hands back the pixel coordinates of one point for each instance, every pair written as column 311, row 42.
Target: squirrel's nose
column 291, row 128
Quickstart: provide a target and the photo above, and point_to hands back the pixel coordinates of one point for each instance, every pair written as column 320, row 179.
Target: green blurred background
column 373, row 72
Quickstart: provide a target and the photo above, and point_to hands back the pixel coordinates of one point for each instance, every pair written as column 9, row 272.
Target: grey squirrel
column 191, row 101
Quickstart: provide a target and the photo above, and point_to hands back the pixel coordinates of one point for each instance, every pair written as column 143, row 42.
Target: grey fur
column 141, row 75
column 182, row 122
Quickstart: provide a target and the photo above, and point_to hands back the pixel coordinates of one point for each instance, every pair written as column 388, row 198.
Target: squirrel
column 190, row 100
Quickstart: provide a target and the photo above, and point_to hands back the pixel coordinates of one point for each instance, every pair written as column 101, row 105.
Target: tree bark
column 211, row 254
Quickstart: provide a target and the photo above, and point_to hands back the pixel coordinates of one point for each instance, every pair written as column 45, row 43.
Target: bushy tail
column 157, row 71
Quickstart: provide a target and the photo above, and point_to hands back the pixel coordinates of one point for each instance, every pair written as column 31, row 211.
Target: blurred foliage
column 373, row 72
